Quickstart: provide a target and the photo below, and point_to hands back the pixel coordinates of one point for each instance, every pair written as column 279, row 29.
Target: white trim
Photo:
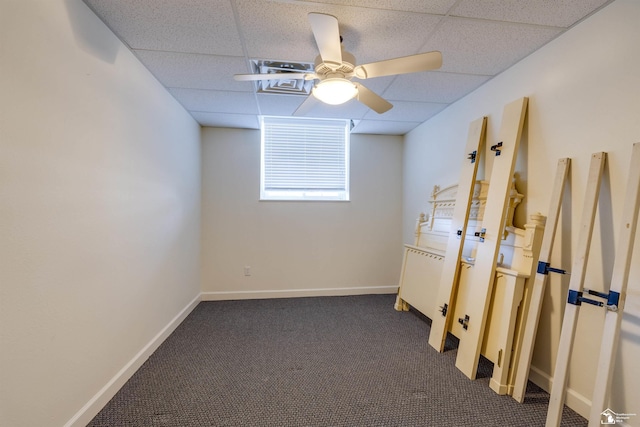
column 97, row 402
column 573, row 400
column 295, row 293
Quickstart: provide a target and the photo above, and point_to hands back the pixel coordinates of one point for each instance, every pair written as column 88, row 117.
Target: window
column 304, row 159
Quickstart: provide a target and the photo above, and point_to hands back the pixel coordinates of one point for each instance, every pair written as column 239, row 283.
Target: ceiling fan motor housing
column 330, row 69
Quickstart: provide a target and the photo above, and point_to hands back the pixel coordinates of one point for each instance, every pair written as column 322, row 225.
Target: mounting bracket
column 464, row 322
column 472, row 156
column 480, row 234
column 443, row 309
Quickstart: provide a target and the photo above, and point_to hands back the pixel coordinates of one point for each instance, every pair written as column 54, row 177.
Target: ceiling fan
column 335, row 67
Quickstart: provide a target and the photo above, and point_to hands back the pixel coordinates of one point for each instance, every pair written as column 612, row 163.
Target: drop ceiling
column 194, row 47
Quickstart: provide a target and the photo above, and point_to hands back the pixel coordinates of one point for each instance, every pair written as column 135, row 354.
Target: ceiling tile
column 403, row 111
column 439, row 7
column 223, row 120
column 277, row 31
column 196, row 26
column 350, row 110
column 379, row 35
column 282, row 31
column 384, row 127
column 433, row 87
column 486, row 47
column 558, row 13
column 216, row 101
column 279, row 105
column 195, row 71
column 377, row 84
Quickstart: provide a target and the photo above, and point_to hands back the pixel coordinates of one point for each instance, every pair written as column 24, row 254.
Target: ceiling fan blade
column 274, row 76
column 327, row 35
column 372, row 99
column 406, row 64
column 306, row 106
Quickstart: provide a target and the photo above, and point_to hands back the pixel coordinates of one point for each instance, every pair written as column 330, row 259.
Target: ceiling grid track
column 195, row 50
column 245, row 52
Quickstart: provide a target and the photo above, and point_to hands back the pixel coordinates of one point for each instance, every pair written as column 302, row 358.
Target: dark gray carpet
column 329, row 361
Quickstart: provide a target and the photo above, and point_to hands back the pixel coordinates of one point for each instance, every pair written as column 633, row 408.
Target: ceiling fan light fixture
column 335, row 91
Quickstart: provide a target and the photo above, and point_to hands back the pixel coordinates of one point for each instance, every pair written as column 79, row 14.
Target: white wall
column 298, row 248
column 99, row 213
column 584, row 97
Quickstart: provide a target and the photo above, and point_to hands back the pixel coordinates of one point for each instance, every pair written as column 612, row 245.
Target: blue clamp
column 543, row 268
column 613, row 299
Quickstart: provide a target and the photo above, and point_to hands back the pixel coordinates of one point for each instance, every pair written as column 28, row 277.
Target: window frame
column 309, row 194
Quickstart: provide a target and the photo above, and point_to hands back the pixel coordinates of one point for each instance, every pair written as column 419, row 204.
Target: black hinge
column 472, row 156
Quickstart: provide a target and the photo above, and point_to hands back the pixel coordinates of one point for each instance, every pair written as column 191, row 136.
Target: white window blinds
column 304, row 159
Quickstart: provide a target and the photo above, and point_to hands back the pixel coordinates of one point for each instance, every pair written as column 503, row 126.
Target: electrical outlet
column 247, row 270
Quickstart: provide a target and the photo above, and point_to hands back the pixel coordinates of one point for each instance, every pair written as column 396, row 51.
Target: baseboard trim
column 97, row 402
column 573, row 400
column 296, row 293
